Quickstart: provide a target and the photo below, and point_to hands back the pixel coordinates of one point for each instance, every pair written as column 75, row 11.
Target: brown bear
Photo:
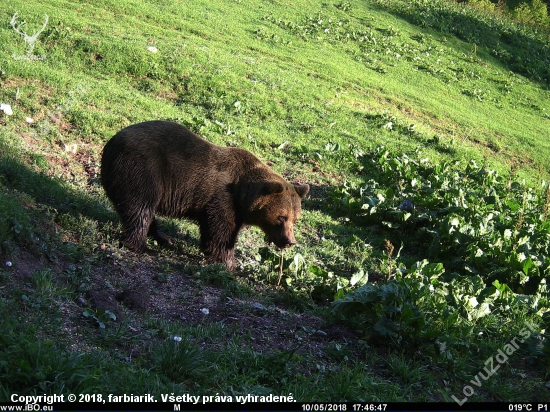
column 163, row 168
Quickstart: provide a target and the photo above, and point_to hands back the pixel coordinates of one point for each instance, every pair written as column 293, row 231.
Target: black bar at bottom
column 296, row 406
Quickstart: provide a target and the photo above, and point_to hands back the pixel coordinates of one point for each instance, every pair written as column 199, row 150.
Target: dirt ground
column 135, row 286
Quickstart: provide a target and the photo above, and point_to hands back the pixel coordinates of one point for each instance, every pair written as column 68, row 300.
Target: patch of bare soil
column 137, row 285
column 25, row 264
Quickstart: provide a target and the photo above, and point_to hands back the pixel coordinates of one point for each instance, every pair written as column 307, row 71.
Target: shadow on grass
column 50, row 191
column 33, row 206
column 519, row 48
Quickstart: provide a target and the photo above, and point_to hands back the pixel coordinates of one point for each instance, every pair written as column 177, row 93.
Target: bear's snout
column 289, row 243
column 284, row 242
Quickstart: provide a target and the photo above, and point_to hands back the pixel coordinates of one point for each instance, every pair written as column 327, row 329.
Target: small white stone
column 152, row 49
column 29, row 120
column 71, row 148
column 6, row 108
column 205, row 311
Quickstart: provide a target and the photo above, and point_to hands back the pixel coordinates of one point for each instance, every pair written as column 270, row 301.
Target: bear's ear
column 272, row 188
column 301, row 190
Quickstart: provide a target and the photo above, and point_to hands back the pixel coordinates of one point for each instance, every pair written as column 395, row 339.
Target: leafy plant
column 100, row 316
column 475, row 221
column 400, row 308
column 299, row 276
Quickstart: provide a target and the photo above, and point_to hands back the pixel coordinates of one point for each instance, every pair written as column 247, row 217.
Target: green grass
column 313, row 88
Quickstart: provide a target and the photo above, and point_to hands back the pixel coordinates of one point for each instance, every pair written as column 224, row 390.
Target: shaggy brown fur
column 163, row 168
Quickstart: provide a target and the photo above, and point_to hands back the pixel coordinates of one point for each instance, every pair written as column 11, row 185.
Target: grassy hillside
column 374, row 104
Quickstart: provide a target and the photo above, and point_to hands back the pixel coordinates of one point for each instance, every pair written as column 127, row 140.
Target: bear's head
column 275, row 209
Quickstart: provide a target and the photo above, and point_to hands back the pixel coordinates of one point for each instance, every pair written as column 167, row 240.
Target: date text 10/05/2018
column 342, row 407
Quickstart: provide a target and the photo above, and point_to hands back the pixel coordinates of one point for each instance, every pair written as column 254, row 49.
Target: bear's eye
column 282, row 219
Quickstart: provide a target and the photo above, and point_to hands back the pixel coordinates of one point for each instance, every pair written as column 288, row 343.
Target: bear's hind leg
column 135, row 230
column 162, row 238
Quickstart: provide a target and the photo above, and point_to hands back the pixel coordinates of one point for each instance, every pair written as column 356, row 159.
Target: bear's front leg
column 219, row 231
column 223, row 256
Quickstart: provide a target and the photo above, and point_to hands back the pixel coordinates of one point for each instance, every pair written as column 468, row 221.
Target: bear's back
column 157, row 137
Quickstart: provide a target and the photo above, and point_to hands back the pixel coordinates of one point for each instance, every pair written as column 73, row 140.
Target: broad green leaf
column 359, row 278
column 407, row 314
column 111, row 315
column 371, row 201
column 391, row 225
column 386, row 327
column 526, row 266
column 513, row 205
column 479, row 312
column 340, row 294
column 433, row 270
column 356, row 302
column 502, row 287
